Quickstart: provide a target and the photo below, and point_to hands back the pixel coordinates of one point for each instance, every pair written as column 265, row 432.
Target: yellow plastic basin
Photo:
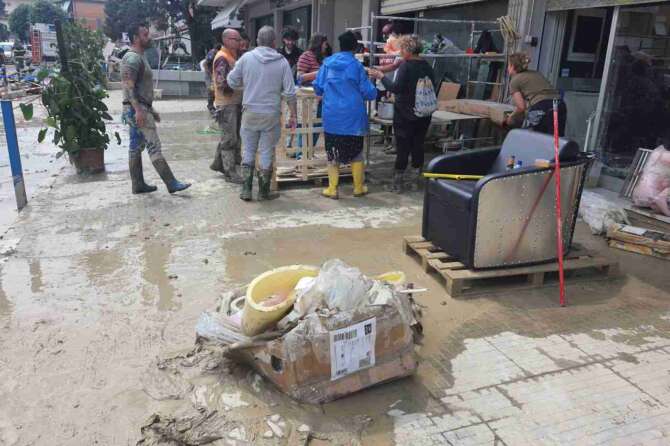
column 257, row 318
column 395, row 278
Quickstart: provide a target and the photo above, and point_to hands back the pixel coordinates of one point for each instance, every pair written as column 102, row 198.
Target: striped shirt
column 307, row 63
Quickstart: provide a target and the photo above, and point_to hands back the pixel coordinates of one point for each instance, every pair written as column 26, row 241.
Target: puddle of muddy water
column 155, row 263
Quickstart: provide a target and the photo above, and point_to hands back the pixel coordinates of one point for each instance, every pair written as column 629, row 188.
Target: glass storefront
column 301, row 20
column 259, row 22
column 636, row 104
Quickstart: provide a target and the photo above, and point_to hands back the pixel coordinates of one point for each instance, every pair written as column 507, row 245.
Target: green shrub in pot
column 74, row 100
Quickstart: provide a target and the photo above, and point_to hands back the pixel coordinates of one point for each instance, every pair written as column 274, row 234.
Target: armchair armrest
column 469, row 162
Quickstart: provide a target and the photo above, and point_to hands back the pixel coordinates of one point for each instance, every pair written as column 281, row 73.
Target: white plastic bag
column 338, row 286
column 342, row 286
column 650, row 191
column 218, row 327
column 662, row 202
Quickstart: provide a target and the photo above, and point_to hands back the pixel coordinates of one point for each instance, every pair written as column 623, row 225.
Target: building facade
column 611, row 61
column 330, row 17
column 89, row 12
column 609, row 58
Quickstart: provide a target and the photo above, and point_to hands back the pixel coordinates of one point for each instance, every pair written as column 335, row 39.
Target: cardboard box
column 448, row 91
column 327, row 357
column 494, row 111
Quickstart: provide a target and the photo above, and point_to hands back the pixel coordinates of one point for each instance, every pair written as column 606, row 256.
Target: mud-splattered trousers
column 228, row 118
column 142, row 137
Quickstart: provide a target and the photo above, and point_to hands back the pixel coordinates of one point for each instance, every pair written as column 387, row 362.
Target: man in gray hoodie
column 265, row 76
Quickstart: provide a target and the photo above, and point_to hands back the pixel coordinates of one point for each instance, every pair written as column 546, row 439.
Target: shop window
column 259, row 22
column 586, row 35
column 636, row 107
column 301, row 20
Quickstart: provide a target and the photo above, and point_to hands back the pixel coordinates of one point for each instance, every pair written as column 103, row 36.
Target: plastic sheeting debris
column 653, row 189
column 600, row 213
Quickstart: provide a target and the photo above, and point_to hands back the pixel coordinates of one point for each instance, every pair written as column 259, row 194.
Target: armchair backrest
column 527, row 146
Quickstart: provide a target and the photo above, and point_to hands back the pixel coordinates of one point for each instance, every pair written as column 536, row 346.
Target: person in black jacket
column 409, row 129
column 290, row 49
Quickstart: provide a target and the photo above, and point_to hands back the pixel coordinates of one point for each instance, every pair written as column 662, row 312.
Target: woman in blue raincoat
column 344, row 86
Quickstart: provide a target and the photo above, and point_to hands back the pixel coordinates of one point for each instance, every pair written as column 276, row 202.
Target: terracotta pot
column 89, row 161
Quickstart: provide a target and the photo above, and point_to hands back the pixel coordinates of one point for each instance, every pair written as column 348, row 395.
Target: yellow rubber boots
column 333, row 182
column 358, row 172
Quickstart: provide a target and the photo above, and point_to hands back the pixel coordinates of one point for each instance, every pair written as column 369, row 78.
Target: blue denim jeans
column 142, row 137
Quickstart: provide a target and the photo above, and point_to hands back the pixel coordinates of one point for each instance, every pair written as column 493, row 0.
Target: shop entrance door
column 573, row 58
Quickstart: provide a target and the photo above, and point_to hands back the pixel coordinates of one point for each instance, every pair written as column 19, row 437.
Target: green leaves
column 27, row 110
column 42, row 74
column 118, row 138
column 74, row 99
column 42, row 135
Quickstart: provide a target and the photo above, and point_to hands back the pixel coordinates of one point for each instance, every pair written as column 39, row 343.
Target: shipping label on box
column 352, row 348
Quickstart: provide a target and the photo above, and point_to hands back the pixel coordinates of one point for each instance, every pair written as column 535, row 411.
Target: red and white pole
column 559, row 219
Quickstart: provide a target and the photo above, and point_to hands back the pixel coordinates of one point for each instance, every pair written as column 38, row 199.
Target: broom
column 559, row 219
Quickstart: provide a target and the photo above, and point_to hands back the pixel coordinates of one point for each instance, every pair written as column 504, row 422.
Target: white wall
column 348, row 13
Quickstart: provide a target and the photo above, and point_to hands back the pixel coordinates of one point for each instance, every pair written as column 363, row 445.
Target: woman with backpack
column 410, row 119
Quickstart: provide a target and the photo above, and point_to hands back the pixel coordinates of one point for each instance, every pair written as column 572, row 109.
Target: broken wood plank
column 639, row 249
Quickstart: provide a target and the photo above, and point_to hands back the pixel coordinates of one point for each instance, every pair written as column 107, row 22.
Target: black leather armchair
column 507, row 217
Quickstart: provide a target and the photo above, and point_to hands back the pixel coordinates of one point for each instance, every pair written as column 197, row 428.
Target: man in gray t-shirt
column 138, row 113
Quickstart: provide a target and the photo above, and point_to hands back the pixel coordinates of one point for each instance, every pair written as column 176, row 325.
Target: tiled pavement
column 577, row 389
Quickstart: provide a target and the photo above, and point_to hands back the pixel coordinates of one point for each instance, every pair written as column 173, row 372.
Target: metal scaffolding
column 465, row 56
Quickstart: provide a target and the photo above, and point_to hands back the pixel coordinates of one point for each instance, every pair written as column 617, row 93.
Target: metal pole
column 600, row 108
column 158, row 72
column 371, row 60
column 415, row 19
column 472, row 47
column 14, row 155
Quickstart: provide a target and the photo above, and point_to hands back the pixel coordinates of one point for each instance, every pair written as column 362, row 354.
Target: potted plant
column 74, row 100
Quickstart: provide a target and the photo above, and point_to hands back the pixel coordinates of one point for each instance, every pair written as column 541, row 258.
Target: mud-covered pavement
column 100, row 292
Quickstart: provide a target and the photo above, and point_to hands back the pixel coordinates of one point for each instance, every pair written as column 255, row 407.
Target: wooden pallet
column 312, row 164
column 459, row 280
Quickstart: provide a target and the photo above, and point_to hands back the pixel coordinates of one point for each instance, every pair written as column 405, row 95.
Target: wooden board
column 657, row 242
column 448, row 91
column 639, row 249
column 459, row 280
column 647, row 219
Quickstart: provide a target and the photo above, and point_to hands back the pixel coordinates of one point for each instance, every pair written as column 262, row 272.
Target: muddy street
column 100, row 292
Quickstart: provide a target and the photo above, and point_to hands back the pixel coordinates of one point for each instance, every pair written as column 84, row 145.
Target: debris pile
column 318, row 333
